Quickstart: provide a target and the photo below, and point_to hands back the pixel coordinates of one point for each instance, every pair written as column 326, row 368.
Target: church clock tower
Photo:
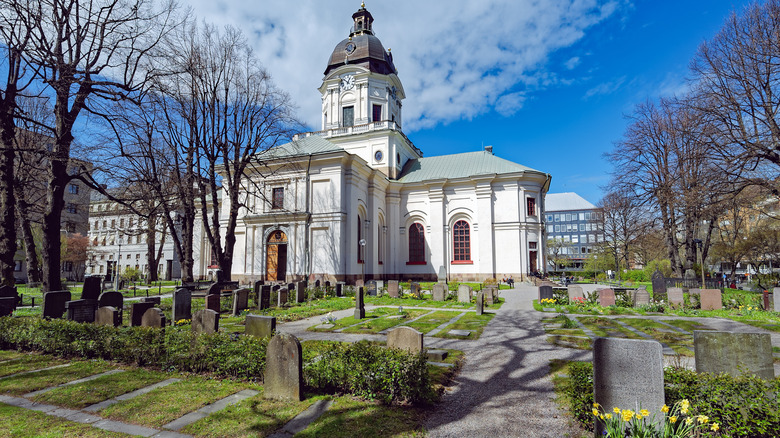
column 361, row 99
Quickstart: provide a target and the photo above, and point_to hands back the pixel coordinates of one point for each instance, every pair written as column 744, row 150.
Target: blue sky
column 546, row 83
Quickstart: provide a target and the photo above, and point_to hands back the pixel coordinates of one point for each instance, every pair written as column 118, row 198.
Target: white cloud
column 572, row 62
column 605, row 88
column 456, row 59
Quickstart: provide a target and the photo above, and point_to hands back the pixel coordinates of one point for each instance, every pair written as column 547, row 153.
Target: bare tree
column 625, row 221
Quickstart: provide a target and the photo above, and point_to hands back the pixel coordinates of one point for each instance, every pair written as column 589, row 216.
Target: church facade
column 358, row 200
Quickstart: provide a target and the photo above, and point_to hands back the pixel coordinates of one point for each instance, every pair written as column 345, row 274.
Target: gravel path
column 504, row 389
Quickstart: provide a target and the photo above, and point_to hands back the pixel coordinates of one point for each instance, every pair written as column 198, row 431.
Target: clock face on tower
column 378, row 156
column 347, row 82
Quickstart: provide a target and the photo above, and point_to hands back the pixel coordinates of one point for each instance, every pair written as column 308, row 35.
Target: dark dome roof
column 368, row 53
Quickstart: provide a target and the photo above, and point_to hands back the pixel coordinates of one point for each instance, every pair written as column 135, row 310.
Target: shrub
column 579, row 392
column 635, row 276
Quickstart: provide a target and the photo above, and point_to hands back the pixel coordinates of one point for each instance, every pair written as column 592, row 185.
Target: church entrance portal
column 276, row 257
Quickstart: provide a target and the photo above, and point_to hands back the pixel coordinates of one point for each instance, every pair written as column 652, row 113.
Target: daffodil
column 609, row 417
column 702, row 419
column 645, row 412
column 672, row 419
column 595, row 412
column 688, row 421
column 627, row 414
column 595, row 405
column 616, row 410
column 714, row 426
column 665, row 409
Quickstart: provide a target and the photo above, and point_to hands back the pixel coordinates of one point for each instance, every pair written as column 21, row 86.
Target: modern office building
column 574, row 227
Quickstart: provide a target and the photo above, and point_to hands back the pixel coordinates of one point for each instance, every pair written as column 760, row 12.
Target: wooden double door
column 276, row 257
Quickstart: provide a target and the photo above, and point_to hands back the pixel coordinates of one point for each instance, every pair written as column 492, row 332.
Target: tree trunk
column 58, row 179
column 7, row 206
column 31, row 254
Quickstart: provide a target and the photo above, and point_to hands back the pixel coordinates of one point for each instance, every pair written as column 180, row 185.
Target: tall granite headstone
column 775, row 298
column 641, row 297
column 113, row 299
column 300, row 292
column 91, row 289
column 675, row 295
column 371, row 288
column 629, row 374
column 108, row 315
column 405, row 338
column 659, row 286
column 54, row 303
column 9, row 299
column 281, row 297
column 734, row 353
column 283, row 378
column 213, row 302
column 360, row 308
column 205, row 321
column 339, row 289
column 265, row 297
column 240, row 300
column 260, row 326
column 442, row 276
column 182, row 305
column 480, row 302
column 392, row 288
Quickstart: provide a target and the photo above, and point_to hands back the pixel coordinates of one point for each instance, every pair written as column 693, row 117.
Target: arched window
column 416, row 243
column 461, row 241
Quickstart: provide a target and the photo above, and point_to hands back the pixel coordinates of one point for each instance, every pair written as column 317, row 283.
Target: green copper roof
column 458, row 166
column 311, row 145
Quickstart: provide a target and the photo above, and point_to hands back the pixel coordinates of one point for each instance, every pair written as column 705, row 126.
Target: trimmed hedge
column 744, row 406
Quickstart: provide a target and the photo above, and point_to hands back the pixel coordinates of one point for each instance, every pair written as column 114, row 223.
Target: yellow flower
column 684, row 410
column 645, row 413
column 664, row 409
column 595, row 405
column 638, row 416
column 702, row 419
column 595, row 412
column 688, row 421
column 714, row 427
column 601, row 416
column 627, row 414
column 616, row 410
column 685, row 403
column 609, row 416
column 672, row 419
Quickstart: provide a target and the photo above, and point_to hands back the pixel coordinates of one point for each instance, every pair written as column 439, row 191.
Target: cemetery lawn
column 430, row 322
column 164, row 405
column 393, row 318
column 18, row 362
column 353, row 417
column 580, row 343
column 470, row 321
column 305, row 310
column 607, row 328
column 386, row 300
column 679, row 342
column 46, row 378
column 103, row 388
column 24, row 422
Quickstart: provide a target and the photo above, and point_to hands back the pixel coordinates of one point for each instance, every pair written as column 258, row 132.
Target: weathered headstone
column 205, row 321
column 439, row 291
column 265, row 297
column 380, row 284
column 371, row 288
column 339, row 289
column 317, row 283
column 490, row 293
column 113, row 299
column 414, row 289
column 54, row 303
column 300, row 289
column 641, row 297
column 659, row 286
column 733, row 353
column 360, row 308
column 464, row 293
column 405, row 338
column 628, row 374
column 214, row 289
column 575, row 292
column 675, row 295
column 281, row 297
column 81, row 310
column 606, row 297
column 240, row 300
column 182, row 305
column 220, row 276
column 442, row 277
column 137, row 311
column 213, row 302
column 774, row 299
column 260, row 326
column 711, row 299
column 153, row 317
column 545, row 292
column 392, row 288
column 9, row 299
column 480, row 302
column 256, row 291
column 283, row 378
column 108, row 315
column 91, row 289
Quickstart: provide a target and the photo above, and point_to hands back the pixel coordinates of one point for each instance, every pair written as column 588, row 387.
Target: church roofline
column 385, row 125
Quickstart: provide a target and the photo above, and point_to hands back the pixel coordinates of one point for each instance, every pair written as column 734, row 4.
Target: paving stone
column 210, row 409
column 437, row 355
column 304, row 419
column 131, row 429
column 463, row 333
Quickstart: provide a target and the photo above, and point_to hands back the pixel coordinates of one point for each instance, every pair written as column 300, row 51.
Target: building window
column 121, row 223
column 349, row 116
column 73, row 189
column 531, row 206
column 380, row 245
column 130, row 222
column 67, row 267
column 70, row 227
column 72, row 208
column 278, row 198
column 113, row 223
column 461, row 241
column 531, row 245
column 416, row 243
column 17, row 265
column 377, row 115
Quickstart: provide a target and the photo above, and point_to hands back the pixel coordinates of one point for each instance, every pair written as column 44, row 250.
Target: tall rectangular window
column 416, row 244
column 461, row 236
column 73, row 189
column 278, row 198
column 72, row 208
column 348, row 116
column 377, row 113
column 531, row 206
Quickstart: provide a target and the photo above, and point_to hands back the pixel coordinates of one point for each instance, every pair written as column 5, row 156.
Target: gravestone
column 54, row 303
column 265, row 297
column 414, row 289
column 205, row 321
column 240, row 300
column 9, row 299
column 256, row 292
column 81, row 310
column 360, row 308
column 360, row 283
column 371, row 288
column 283, row 377
column 575, row 291
column 442, row 277
column 545, row 292
column 380, row 284
column 220, row 275
column 675, row 295
column 339, row 289
column 281, row 297
column 392, row 288
column 734, row 353
column 153, row 300
column 641, row 297
column 774, row 299
column 108, row 315
column 113, row 299
column 606, row 297
column 711, row 299
column 182, row 305
column 464, row 293
column 214, row 289
column 659, row 286
column 91, row 289
column 137, row 311
column 317, row 284
column 405, row 338
column 153, row 317
column 490, row 294
column 291, row 288
column 213, row 302
column 480, row 302
column 300, row 289
column 327, row 284
column 260, row 326
column 628, row 374
column 439, row 292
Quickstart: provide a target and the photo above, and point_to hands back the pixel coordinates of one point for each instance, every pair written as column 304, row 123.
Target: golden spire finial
column 363, row 5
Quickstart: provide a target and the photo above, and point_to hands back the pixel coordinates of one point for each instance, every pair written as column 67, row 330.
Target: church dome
column 362, row 48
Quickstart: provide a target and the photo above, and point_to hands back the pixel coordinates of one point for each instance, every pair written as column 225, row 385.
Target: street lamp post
column 698, row 243
column 116, row 267
column 363, row 259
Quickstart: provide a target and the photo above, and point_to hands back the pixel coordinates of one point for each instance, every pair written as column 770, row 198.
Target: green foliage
column 664, row 265
column 561, row 296
column 635, row 276
column 371, row 371
column 623, row 299
column 579, row 392
column 131, row 274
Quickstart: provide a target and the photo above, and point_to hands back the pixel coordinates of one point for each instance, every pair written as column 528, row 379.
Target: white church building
column 358, row 200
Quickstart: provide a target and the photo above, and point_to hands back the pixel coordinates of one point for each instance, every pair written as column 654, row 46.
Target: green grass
column 469, row 321
column 27, row 362
column 44, row 379
column 107, row 387
column 376, row 325
column 686, row 325
column 305, row 310
column 19, row 422
column 9, row 354
column 675, row 340
column 430, row 322
column 349, row 417
column 570, row 342
column 607, row 328
column 452, row 303
column 173, row 401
